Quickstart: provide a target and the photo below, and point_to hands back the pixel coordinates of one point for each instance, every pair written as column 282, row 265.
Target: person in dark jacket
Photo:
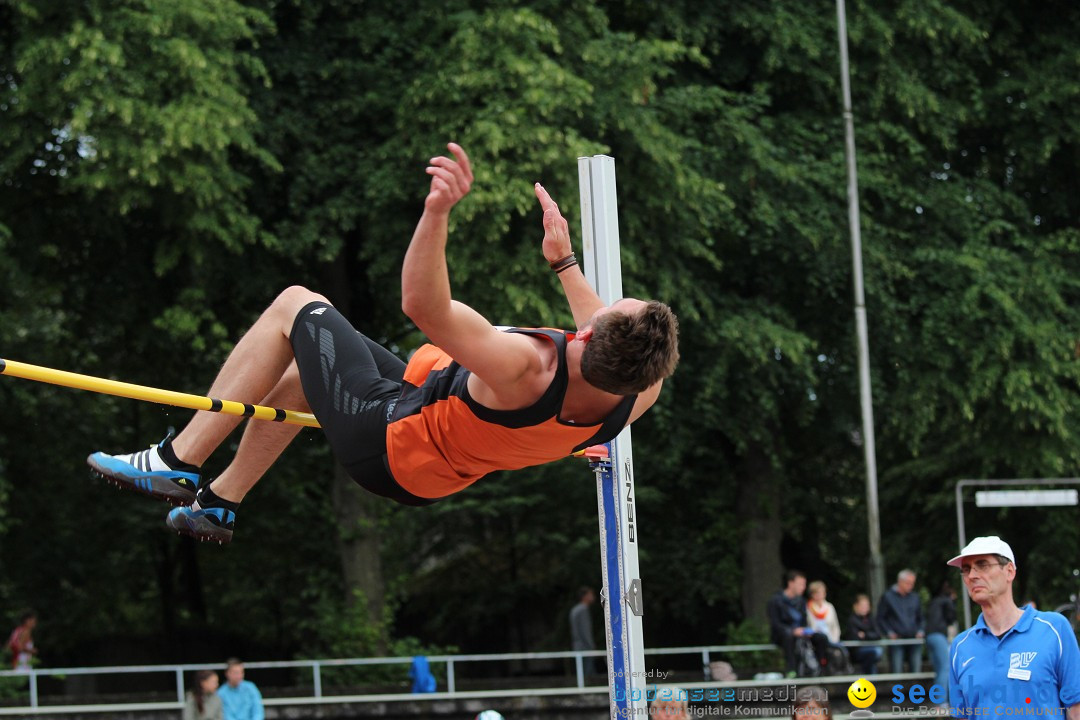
column 862, row 627
column 940, row 614
column 787, row 621
column 581, row 634
column 900, row 617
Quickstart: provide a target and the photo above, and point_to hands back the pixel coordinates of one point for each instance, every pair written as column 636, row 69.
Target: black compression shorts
column 351, row 384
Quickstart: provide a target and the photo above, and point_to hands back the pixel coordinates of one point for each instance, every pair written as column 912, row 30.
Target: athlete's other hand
column 556, row 231
column 450, row 180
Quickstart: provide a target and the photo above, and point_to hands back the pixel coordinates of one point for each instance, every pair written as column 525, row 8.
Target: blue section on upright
column 614, row 608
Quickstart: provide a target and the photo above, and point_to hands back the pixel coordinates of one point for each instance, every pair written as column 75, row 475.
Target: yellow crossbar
column 149, row 394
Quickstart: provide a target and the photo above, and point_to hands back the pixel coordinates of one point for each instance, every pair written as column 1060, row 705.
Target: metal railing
column 451, row 662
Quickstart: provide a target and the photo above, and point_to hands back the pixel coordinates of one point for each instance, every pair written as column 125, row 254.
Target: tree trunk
column 759, row 508
column 356, row 510
column 357, row 514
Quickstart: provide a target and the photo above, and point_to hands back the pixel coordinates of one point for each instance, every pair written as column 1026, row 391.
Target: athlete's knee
column 295, row 297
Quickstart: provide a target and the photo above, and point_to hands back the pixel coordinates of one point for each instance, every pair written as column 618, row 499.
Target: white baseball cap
column 987, row 545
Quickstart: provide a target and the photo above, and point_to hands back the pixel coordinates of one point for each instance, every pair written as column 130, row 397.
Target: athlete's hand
column 450, row 180
column 556, row 231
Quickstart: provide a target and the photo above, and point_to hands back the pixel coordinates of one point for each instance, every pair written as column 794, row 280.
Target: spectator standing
column 21, row 642
column 202, row 702
column 900, row 617
column 1012, row 662
column 940, row 614
column 862, row 626
column 581, row 634
column 240, row 698
column 787, row 621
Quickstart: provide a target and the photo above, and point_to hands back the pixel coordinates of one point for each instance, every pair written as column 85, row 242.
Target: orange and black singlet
column 439, row 440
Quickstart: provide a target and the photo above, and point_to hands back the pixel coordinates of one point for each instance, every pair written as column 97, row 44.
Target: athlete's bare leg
column 253, row 369
column 263, row 441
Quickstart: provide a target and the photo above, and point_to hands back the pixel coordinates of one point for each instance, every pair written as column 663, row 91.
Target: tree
column 166, row 168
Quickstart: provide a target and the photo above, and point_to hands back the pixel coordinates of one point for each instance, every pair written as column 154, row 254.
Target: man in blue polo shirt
column 239, row 697
column 1012, row 662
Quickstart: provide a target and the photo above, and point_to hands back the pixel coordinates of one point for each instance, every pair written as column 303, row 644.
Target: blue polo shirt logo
column 1021, row 660
column 1017, row 663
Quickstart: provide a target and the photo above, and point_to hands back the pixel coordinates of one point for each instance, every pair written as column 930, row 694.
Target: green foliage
column 752, row 632
column 139, row 106
column 344, row 631
column 15, row 688
column 166, row 167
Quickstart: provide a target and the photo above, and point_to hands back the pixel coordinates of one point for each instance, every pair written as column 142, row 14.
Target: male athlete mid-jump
column 475, row 400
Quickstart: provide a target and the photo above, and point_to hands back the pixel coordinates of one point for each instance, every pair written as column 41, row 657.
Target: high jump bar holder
column 621, row 594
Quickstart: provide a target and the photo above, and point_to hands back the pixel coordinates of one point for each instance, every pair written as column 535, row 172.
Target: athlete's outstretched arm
column 582, row 298
column 499, row 359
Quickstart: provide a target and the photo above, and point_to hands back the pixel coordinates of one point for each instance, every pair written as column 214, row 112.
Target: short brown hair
column 629, row 353
column 818, row 696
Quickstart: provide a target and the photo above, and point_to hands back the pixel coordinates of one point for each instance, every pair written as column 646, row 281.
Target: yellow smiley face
column 862, row 693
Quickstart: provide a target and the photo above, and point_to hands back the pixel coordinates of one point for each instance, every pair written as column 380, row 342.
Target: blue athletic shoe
column 146, row 472
column 212, row 524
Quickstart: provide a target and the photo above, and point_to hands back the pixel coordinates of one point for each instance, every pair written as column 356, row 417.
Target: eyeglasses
column 981, row 566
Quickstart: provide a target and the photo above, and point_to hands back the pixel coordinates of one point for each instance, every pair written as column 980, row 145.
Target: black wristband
column 563, row 263
column 567, row 266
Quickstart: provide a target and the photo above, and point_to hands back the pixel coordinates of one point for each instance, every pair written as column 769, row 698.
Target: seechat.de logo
column 862, row 693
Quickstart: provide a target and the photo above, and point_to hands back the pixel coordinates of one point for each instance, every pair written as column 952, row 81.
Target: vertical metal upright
column 619, row 531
